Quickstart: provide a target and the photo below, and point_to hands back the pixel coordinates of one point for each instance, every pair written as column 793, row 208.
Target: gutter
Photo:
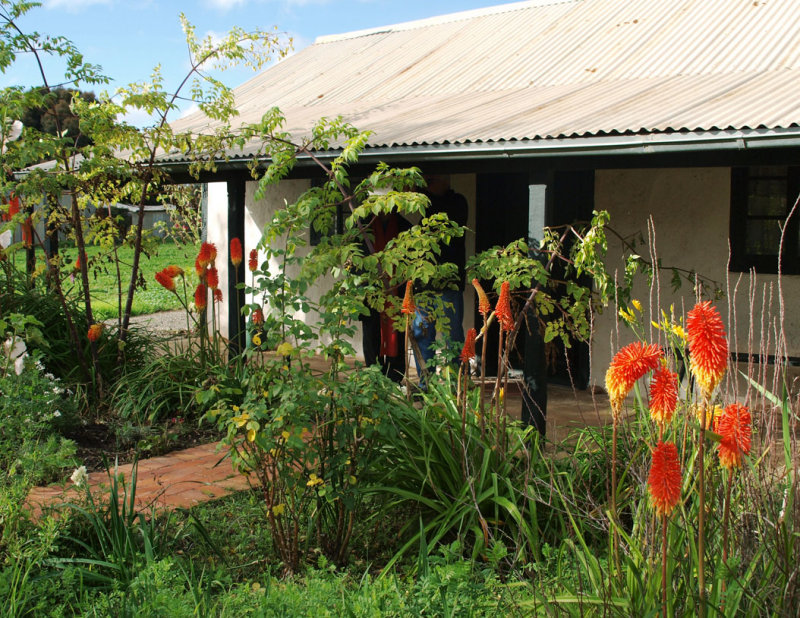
column 616, row 145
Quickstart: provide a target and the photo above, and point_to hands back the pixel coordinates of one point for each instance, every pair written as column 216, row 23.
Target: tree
column 87, row 165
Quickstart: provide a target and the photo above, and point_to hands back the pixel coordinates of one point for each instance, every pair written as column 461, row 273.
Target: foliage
column 86, row 168
column 183, row 204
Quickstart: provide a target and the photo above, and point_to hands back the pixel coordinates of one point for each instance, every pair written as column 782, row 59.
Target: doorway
column 501, row 217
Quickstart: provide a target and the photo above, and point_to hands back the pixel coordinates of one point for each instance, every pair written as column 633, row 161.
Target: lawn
column 103, row 282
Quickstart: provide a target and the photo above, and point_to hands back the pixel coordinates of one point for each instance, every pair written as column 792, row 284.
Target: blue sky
column 130, row 37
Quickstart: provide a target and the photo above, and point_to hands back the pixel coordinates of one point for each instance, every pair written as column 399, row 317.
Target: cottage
column 687, row 111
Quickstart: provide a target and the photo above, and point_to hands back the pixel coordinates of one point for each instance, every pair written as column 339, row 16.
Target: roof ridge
column 441, row 19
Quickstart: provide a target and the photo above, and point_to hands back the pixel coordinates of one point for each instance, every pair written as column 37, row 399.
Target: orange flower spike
column 163, row 277
column 257, row 316
column 173, row 271
column 409, row 307
column 734, row 425
column 628, row 365
column 95, row 330
column 252, row 263
column 208, row 253
column 217, row 295
column 236, row 252
column 469, row 346
column 708, row 345
column 663, row 395
column 201, row 297
column 199, row 268
column 484, row 306
column 212, row 278
column 664, row 482
column 503, row 309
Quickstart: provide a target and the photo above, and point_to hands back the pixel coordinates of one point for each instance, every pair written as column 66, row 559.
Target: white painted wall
column 217, row 233
column 690, row 209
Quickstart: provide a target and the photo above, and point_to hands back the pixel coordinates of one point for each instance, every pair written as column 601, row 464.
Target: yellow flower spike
column 637, row 305
column 251, row 435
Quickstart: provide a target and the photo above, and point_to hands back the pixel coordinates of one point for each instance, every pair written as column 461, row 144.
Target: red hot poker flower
column 469, row 346
column 95, row 330
column 664, row 481
column 503, row 309
column 708, row 345
column 199, row 268
column 217, row 295
column 252, row 263
column 212, row 278
column 409, row 307
column 201, row 297
column 173, row 271
column 484, row 306
column 663, row 395
column 208, row 253
column 236, row 252
column 734, row 425
column 163, row 277
column 628, row 365
column 257, row 316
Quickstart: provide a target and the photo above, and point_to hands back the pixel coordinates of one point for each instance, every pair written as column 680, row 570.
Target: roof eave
column 606, row 145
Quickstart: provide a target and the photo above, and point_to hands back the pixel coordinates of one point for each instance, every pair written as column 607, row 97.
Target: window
column 761, row 198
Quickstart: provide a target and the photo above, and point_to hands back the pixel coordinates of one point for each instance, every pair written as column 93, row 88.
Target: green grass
column 103, row 283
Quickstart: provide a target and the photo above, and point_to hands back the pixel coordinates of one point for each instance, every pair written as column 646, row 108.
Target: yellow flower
column 353, row 480
column 678, row 330
column 314, row 480
column 241, row 420
column 627, row 316
column 285, row 435
column 284, row 349
column 636, row 304
column 251, row 435
column 278, row 509
column 257, row 339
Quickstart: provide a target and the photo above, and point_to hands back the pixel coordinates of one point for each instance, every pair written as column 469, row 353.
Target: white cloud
column 74, row 6
column 225, row 5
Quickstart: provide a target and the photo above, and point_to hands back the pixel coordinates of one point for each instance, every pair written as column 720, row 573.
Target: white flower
column 50, row 377
column 57, row 413
column 80, row 477
column 14, row 347
column 19, row 364
column 39, row 365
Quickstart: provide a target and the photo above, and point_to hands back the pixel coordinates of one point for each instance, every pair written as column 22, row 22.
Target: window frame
column 741, row 259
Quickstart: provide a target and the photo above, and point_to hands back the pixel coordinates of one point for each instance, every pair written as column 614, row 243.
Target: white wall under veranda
column 690, row 210
column 259, row 212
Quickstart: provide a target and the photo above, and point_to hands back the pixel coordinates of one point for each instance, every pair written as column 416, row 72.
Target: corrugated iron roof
column 545, row 69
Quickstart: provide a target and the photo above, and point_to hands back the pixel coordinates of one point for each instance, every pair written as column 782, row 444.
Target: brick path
column 179, row 479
